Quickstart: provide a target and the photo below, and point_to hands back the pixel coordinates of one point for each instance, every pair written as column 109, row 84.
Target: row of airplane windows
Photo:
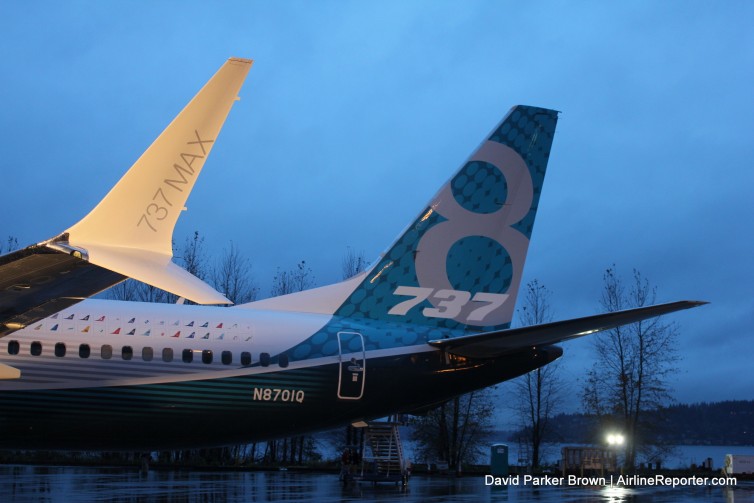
column 147, row 354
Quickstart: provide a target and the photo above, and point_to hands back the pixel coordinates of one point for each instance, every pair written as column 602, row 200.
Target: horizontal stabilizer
column 491, row 344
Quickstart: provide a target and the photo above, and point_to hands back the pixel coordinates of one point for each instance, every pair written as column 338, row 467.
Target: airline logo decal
column 114, row 327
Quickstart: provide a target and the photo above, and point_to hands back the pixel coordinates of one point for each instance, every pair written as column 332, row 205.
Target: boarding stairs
column 386, row 462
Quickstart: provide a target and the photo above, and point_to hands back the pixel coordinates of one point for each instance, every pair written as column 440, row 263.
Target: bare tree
column 353, row 263
column 232, row 276
column 454, row 432
column 136, row 291
column 194, row 257
column 539, row 392
column 297, row 279
column 634, row 363
column 125, row 290
column 11, row 245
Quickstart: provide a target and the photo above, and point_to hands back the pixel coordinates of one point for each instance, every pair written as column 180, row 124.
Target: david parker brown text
column 612, row 480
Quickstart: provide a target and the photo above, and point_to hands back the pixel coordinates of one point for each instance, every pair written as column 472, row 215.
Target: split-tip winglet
column 131, row 230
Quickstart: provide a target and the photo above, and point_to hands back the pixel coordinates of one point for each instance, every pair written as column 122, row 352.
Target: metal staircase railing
column 386, row 449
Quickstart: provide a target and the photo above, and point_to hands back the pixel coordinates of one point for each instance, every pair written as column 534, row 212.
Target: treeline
column 718, row 423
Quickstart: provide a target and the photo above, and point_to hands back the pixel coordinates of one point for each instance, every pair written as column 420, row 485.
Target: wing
column 130, row 232
column 491, row 344
column 39, row 281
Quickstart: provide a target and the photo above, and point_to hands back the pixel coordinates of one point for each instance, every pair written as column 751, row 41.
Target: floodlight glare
column 615, row 439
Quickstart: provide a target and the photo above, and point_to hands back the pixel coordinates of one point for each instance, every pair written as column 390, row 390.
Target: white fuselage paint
column 99, row 323
column 116, row 324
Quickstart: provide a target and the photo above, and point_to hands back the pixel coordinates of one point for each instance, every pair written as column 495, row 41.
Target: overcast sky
column 354, row 114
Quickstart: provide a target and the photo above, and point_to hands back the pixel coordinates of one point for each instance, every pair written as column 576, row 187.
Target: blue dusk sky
column 354, row 114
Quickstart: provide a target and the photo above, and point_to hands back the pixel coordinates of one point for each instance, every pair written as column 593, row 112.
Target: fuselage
column 105, row 374
column 429, row 320
column 109, row 374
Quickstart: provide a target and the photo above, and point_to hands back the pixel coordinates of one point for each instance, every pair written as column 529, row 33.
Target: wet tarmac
column 82, row 484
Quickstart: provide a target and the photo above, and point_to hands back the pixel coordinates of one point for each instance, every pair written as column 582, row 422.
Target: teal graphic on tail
column 459, row 265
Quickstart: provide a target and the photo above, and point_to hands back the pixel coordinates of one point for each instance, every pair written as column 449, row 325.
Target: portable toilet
column 499, row 460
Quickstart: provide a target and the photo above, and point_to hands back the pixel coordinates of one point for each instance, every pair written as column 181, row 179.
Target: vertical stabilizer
column 459, row 264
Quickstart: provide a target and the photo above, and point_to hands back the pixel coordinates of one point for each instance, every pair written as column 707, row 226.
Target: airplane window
column 106, row 352
column 13, row 347
column 59, row 349
column 127, row 352
column 147, row 354
column 84, row 351
column 227, row 357
column 283, row 360
column 167, row 355
column 207, row 356
column 36, row 348
column 188, row 356
column 264, row 359
column 245, row 358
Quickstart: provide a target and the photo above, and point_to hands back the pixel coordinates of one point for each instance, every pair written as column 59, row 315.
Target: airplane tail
column 459, row 264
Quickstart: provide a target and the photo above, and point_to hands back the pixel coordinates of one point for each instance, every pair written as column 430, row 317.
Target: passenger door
column 352, row 358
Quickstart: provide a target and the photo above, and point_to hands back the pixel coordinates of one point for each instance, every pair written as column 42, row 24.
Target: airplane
column 429, row 320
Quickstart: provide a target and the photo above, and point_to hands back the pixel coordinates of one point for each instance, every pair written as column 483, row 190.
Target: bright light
column 615, row 439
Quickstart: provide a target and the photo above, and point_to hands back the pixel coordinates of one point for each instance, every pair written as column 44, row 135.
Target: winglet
column 131, row 230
